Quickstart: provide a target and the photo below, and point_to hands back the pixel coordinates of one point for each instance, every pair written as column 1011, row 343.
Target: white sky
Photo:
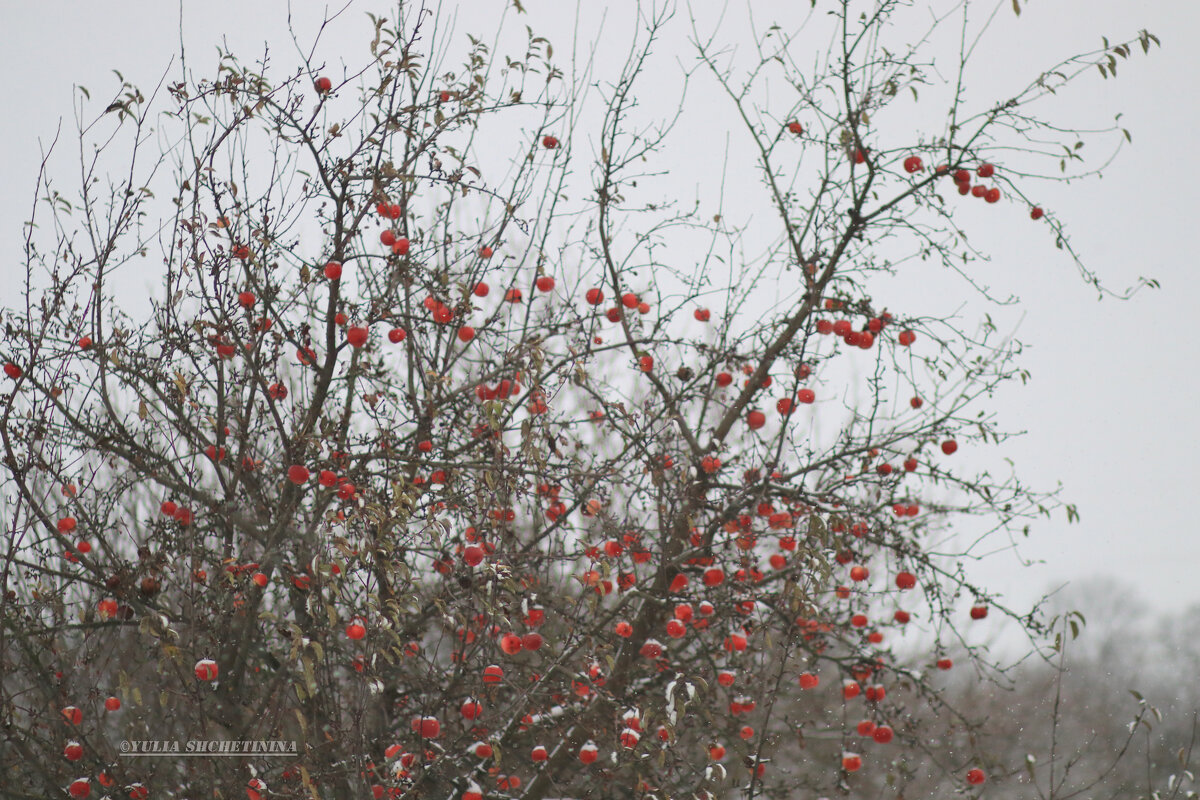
column 1112, row 407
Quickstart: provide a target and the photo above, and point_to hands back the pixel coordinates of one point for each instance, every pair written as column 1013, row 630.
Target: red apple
column 206, row 670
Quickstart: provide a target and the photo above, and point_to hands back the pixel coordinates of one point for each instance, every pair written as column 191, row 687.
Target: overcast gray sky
column 1112, row 407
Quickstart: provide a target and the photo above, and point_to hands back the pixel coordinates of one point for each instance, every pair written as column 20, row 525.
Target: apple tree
column 456, row 446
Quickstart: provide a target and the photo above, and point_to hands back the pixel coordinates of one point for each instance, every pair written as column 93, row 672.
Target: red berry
column 298, row 474
column 702, row 314
column 545, row 283
column 905, row 580
column 549, row 142
column 975, row 776
column 1036, row 213
column 323, row 84
column 333, row 270
column 949, row 447
column 986, row 170
column 355, row 631
column 756, row 419
column 795, row 127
